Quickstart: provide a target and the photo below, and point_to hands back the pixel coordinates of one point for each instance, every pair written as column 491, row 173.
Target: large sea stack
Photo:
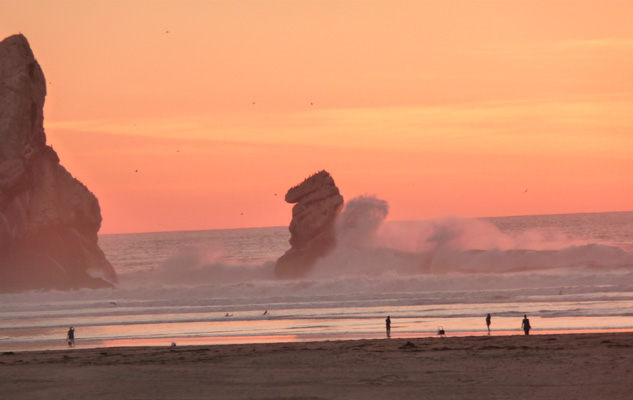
column 312, row 228
column 48, row 219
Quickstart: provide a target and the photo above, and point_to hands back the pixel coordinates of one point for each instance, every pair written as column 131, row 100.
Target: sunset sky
column 442, row 108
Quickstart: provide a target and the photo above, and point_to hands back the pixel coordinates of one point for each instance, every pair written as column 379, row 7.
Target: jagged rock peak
column 48, row 219
column 22, row 93
column 312, row 229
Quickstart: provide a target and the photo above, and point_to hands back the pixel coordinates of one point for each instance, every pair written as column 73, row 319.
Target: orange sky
column 439, row 107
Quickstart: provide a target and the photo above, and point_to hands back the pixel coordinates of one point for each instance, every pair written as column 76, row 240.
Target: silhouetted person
column 526, row 325
column 71, row 337
column 388, row 326
column 488, row 322
column 265, row 312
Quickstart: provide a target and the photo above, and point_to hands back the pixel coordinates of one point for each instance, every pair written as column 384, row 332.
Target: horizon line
column 387, row 221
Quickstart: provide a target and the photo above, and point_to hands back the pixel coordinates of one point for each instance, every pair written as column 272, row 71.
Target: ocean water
column 566, row 272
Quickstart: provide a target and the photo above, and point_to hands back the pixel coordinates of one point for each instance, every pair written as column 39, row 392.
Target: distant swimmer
column 488, row 322
column 525, row 325
column 228, row 315
column 71, row 337
column 388, row 326
column 265, row 312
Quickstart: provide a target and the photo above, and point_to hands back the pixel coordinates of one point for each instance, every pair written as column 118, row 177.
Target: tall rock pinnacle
column 312, row 228
column 48, row 219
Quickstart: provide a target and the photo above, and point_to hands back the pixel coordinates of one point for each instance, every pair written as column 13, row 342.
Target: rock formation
column 48, row 219
column 312, row 228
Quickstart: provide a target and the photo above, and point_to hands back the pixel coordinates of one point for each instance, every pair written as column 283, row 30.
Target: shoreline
column 61, row 344
column 545, row 366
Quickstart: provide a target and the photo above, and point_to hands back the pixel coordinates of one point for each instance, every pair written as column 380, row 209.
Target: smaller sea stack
column 312, row 228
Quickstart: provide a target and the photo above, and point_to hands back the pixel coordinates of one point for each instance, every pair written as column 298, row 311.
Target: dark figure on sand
column 488, row 322
column 388, row 325
column 526, row 325
column 71, row 337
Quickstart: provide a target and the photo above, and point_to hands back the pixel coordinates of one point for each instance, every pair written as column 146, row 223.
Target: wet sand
column 570, row 366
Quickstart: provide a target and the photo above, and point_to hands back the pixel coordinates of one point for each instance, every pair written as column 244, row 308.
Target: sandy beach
column 570, row 366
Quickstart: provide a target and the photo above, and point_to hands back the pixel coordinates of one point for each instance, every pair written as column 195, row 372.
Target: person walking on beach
column 526, row 325
column 388, row 325
column 488, row 322
column 71, row 337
